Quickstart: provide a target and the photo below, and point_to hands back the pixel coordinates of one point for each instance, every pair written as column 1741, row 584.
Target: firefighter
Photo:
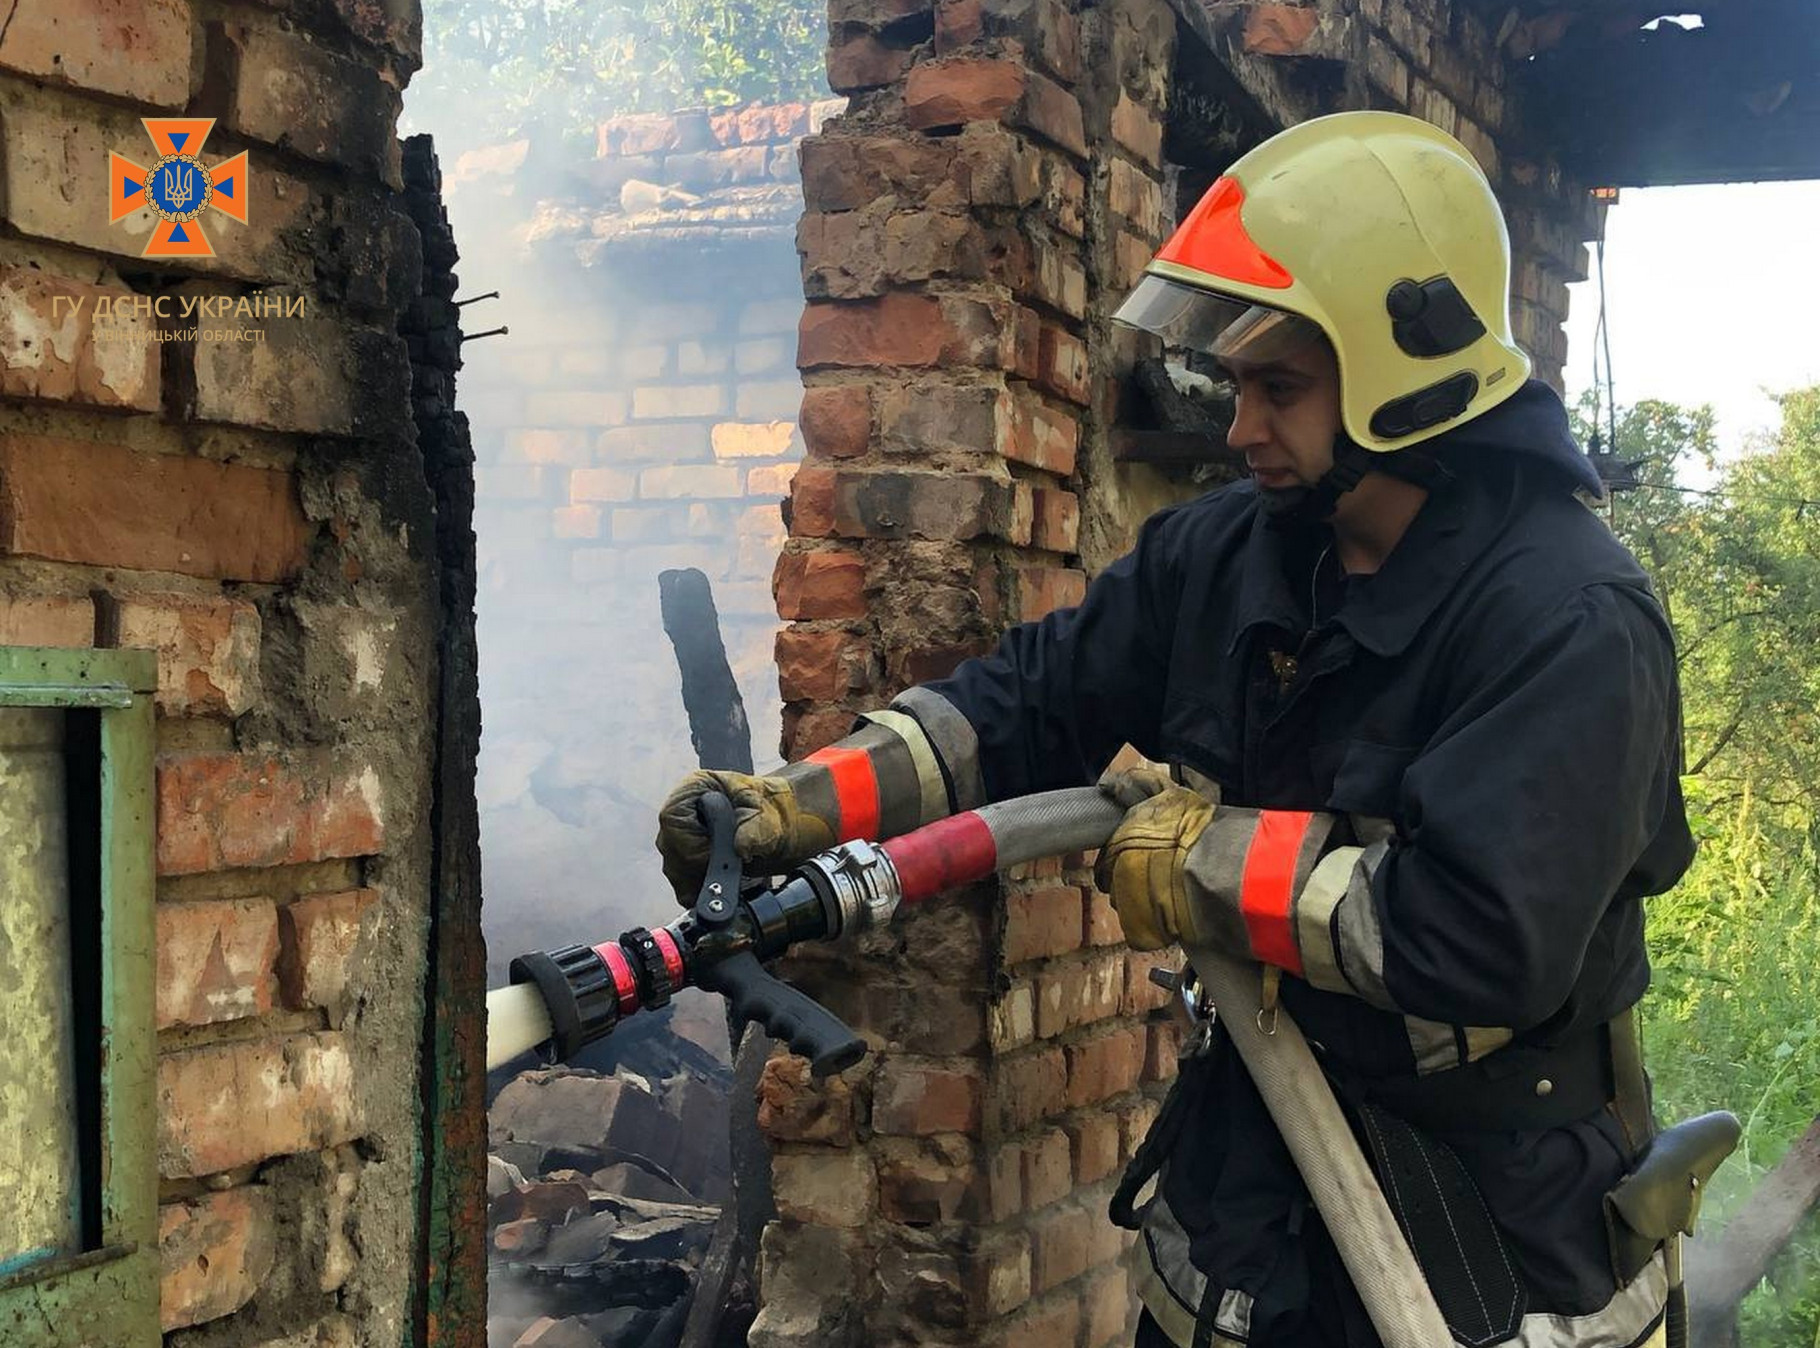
column 1418, row 715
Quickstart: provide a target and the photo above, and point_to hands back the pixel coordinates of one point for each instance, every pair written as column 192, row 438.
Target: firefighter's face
column 1287, row 416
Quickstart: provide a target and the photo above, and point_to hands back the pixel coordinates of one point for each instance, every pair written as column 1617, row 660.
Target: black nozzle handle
column 718, row 900
column 807, row 1026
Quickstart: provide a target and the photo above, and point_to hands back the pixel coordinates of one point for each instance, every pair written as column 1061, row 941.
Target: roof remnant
column 694, row 180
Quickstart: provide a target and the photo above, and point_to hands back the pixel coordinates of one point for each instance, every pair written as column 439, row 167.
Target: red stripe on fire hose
column 855, row 787
column 939, row 856
column 625, row 982
column 1268, row 887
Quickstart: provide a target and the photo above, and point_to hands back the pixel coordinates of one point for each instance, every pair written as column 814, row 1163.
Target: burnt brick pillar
column 969, row 224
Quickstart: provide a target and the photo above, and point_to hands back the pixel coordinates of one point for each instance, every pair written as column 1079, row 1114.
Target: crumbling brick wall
column 222, row 466
column 968, row 225
column 1001, row 177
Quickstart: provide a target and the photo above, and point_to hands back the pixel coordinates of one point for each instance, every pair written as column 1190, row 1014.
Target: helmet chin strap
column 1308, row 507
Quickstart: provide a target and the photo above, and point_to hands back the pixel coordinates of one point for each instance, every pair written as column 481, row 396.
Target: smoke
column 604, row 431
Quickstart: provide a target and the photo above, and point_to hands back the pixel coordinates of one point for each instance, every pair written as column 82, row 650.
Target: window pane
column 38, row 1120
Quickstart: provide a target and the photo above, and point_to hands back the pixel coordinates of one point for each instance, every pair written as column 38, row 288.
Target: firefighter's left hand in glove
column 1142, row 867
column 771, row 827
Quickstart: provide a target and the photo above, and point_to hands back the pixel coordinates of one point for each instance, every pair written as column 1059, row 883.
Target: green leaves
column 1738, row 571
column 1733, row 1015
column 495, row 69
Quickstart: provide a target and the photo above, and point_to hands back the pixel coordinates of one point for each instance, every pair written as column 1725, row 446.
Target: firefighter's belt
column 1660, row 1198
column 1520, row 1087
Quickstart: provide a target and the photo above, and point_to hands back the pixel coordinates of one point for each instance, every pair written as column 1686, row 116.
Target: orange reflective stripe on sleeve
column 1267, row 891
column 1213, row 240
column 855, row 789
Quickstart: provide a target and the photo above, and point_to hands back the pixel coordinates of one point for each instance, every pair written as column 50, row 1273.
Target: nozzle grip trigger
column 719, row 894
column 799, row 1020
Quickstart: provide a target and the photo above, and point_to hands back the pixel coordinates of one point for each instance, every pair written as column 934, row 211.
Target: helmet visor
column 1182, row 315
column 1199, row 320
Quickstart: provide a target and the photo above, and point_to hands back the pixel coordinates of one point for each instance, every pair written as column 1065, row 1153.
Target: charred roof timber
column 1735, row 97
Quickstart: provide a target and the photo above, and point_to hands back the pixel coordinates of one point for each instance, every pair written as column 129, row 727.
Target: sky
column 1712, row 295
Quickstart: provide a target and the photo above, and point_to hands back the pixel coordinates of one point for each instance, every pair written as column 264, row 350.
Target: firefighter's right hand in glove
column 771, row 828
column 1143, row 866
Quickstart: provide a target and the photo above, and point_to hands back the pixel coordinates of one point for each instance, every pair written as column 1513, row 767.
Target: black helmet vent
column 1431, row 318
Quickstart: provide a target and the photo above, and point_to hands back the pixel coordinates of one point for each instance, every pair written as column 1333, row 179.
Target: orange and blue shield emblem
column 179, row 189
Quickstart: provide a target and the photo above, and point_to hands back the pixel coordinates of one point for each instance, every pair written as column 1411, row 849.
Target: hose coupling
column 862, row 883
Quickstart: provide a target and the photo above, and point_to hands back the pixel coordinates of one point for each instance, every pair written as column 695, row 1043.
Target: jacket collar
column 1454, row 526
column 1447, row 535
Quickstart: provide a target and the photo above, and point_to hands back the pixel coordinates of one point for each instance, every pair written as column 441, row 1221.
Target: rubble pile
column 603, row 1193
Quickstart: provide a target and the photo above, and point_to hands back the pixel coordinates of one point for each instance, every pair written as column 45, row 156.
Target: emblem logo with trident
column 178, row 188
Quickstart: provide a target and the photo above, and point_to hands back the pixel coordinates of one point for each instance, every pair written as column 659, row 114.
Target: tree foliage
column 1733, row 1018
column 495, row 69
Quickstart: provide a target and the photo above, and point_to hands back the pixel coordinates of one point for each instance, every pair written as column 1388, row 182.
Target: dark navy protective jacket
column 1502, row 692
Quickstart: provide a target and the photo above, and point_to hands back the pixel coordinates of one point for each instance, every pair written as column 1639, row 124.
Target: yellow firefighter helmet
column 1380, row 230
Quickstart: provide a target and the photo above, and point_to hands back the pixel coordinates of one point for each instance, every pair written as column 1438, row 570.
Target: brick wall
column 968, row 225
column 640, row 415
column 257, row 513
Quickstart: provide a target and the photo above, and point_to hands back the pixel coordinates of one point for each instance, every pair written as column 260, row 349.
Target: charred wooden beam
column 449, row 1283
column 723, row 740
column 1736, row 100
column 1164, row 423
column 1225, row 97
column 1208, row 127
column 1527, row 27
column 1212, row 118
column 1182, row 448
column 1723, row 1267
column 717, row 714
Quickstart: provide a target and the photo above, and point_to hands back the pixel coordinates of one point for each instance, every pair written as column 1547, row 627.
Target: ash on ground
column 604, row 1186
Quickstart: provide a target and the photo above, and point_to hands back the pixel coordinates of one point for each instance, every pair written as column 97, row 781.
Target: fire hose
column 572, row 996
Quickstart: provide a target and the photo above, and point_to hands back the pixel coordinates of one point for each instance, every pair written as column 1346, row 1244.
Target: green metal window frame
column 106, row 1293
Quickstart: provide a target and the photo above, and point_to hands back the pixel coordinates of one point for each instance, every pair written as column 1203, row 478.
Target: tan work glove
column 1142, row 867
column 771, row 829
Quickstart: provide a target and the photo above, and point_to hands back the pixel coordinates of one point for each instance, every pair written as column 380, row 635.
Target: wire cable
column 1801, row 503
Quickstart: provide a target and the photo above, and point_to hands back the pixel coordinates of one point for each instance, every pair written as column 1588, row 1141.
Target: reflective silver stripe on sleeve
column 954, row 740
column 1433, row 1044
column 1314, row 908
column 815, row 794
column 1308, row 855
column 1358, row 940
column 1438, row 1047
column 1234, row 1316
column 1166, row 1280
column 1216, row 869
column 1483, row 1039
column 932, row 793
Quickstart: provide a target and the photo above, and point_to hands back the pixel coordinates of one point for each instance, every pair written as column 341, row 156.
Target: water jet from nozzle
column 517, row 1021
